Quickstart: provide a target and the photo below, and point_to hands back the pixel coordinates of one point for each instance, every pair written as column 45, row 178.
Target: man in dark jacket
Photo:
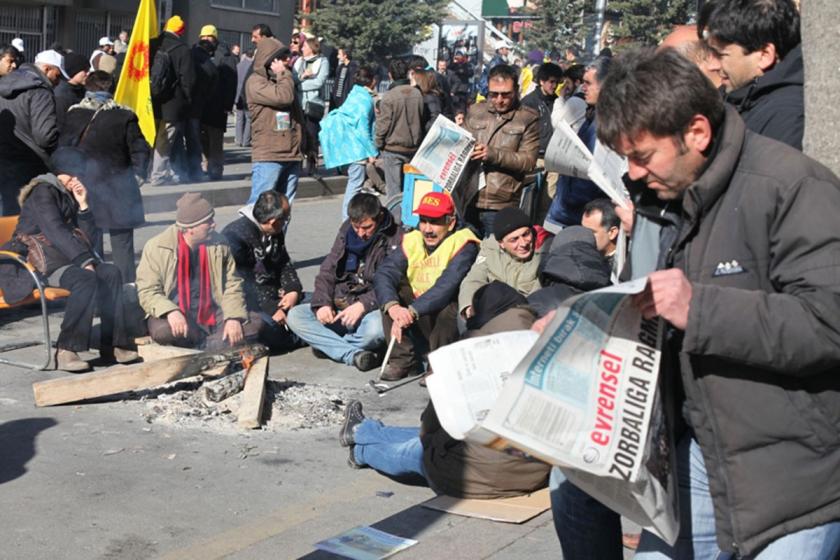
column 758, row 47
column 28, row 131
column 218, row 106
column 206, row 82
column 71, row 91
column 172, row 107
column 417, row 287
column 272, row 286
column 110, row 136
column 345, row 77
column 343, row 321
column 542, row 99
column 243, row 117
column 399, row 125
column 750, row 296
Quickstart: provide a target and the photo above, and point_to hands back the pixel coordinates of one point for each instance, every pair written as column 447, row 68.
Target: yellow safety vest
column 424, row 270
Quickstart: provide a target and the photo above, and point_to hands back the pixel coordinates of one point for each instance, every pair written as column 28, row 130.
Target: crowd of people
column 730, row 223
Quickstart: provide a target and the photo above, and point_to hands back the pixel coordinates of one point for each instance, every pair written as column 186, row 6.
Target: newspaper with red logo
column 444, row 153
column 582, row 395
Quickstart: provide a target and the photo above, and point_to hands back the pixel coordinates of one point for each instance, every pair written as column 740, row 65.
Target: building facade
column 78, row 24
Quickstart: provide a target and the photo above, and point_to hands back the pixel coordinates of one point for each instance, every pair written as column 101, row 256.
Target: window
column 263, row 6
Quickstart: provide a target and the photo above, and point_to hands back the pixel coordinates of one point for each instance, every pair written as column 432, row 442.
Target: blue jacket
column 573, row 193
column 347, row 132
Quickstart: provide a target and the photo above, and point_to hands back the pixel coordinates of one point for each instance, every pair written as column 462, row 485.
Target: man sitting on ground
column 342, row 321
column 272, row 286
column 509, row 259
column 188, row 286
column 418, row 286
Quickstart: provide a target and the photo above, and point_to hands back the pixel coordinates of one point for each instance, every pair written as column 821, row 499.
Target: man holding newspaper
column 751, row 295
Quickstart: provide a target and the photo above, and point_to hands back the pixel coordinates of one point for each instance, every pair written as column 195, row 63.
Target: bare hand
column 626, row 215
column 350, row 316
column 541, row 323
column 279, row 316
column 396, row 332
column 278, row 67
column 90, row 267
column 401, row 316
column 667, row 295
column 289, row 300
column 80, row 194
column 177, row 323
column 468, row 312
column 233, row 332
column 479, row 152
column 325, row 315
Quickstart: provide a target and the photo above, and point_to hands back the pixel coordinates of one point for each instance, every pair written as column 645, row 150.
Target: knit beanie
column 193, row 210
column 69, row 161
column 508, row 220
column 75, row 63
column 175, row 25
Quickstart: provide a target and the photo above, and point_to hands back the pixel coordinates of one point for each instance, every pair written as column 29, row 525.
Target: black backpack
column 162, row 77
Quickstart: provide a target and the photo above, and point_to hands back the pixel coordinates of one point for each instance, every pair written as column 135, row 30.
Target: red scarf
column 206, row 313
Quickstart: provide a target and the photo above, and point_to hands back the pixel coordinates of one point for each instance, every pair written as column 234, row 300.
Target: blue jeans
column 335, row 340
column 390, row 450
column 587, row 529
column 279, row 175
column 697, row 528
column 356, row 174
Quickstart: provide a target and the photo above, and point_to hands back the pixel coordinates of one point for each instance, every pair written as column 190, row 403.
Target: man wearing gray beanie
column 188, row 286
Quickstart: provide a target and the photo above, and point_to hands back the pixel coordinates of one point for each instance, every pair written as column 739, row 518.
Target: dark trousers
column 202, row 337
column 101, row 287
column 587, row 529
column 426, row 334
column 122, row 252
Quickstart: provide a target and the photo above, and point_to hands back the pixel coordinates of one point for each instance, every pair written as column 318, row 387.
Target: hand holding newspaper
column 444, row 153
column 582, row 397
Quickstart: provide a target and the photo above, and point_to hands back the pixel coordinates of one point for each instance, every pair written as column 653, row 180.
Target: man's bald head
column 684, row 40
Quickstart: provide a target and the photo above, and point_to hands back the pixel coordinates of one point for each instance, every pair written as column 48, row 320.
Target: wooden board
column 253, row 395
column 134, row 377
column 506, row 510
column 153, row 351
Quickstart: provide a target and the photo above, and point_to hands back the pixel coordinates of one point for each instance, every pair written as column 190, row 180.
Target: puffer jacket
column 761, row 351
column 773, row 105
column 494, row 264
column 28, row 131
column 513, row 141
column 334, row 283
column 157, row 276
column 266, row 97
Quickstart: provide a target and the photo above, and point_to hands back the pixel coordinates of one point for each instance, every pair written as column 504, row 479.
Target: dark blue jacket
column 392, row 273
column 573, row 193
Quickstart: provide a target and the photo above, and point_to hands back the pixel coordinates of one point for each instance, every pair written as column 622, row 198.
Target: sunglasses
column 502, row 94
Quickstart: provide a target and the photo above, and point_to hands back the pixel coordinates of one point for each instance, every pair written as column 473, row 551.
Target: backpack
column 162, row 77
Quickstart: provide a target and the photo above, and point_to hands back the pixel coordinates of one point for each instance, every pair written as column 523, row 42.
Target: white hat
column 501, row 44
column 17, row 43
column 53, row 58
column 105, row 41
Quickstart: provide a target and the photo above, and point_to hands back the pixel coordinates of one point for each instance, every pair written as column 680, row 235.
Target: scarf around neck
column 206, row 312
column 356, row 249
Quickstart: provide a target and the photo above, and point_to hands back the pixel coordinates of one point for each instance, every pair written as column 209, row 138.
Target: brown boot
column 395, row 373
column 125, row 355
column 69, row 361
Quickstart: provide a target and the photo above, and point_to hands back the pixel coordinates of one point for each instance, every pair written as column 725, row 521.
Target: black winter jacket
column 118, row 154
column 334, row 283
column 175, row 107
column 220, row 103
column 206, row 82
column 262, row 261
column 542, row 104
column 773, row 104
column 392, row 274
column 66, row 95
column 28, row 131
column 760, row 354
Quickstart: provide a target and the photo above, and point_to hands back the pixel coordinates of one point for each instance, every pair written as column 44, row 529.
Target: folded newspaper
column 582, row 395
column 444, row 153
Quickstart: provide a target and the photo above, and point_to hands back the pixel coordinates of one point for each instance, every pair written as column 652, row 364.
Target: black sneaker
column 318, row 354
column 353, row 416
column 366, row 360
column 351, row 459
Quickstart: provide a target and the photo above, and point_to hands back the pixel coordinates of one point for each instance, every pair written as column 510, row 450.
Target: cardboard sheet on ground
column 505, row 510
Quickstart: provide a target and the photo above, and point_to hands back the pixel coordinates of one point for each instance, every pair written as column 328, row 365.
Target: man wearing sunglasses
column 507, row 142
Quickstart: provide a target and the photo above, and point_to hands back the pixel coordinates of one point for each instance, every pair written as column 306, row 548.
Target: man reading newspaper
column 750, row 289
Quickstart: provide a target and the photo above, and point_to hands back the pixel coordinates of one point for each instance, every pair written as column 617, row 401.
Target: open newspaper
column 444, row 153
column 582, row 395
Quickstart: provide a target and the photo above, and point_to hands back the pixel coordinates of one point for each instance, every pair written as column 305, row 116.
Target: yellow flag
column 133, row 89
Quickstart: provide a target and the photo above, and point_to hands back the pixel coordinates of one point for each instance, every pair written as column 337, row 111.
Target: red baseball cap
column 435, row 205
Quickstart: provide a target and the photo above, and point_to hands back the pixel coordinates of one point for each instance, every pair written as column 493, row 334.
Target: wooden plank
column 145, row 375
column 253, row 395
column 152, row 352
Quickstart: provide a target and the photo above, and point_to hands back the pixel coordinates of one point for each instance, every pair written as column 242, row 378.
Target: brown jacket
column 513, row 141
column 399, row 120
column 266, row 97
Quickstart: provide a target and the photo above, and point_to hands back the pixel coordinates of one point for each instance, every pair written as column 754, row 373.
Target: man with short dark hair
column 599, row 216
column 343, row 322
column 399, row 125
column 259, row 32
column 758, row 46
column 748, row 288
column 72, row 90
column 507, row 137
column 417, row 286
column 272, row 287
column 345, row 76
column 542, row 99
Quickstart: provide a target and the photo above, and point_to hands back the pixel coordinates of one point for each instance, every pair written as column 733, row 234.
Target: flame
column 247, row 360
